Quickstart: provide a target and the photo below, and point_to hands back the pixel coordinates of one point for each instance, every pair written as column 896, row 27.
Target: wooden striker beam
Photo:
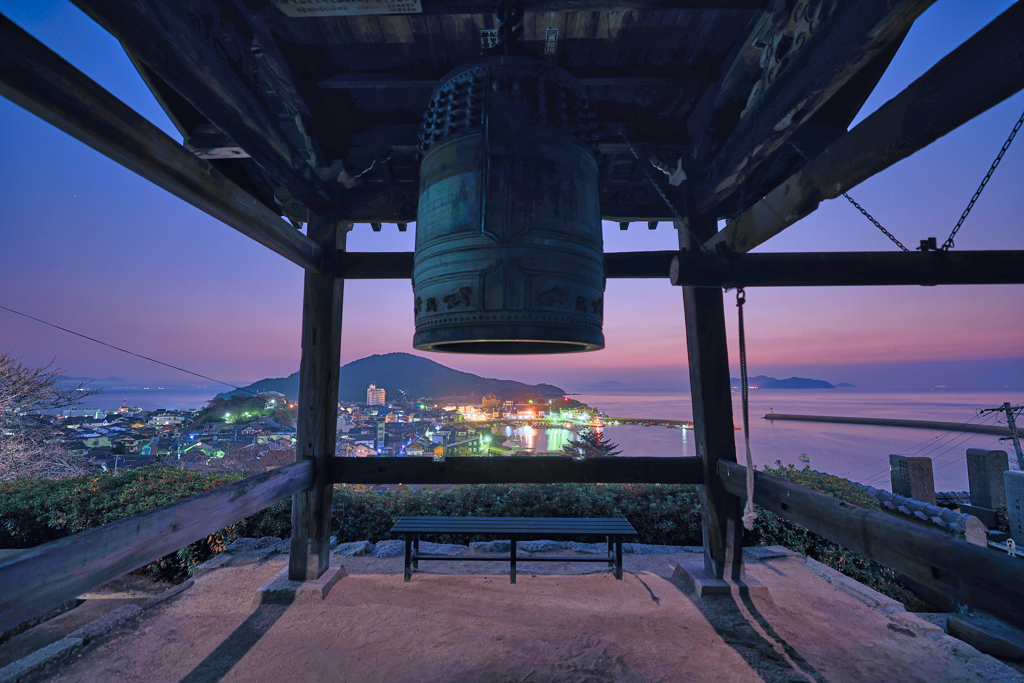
column 34, row 77
column 973, row 78
column 316, row 437
column 979, row 577
column 707, row 354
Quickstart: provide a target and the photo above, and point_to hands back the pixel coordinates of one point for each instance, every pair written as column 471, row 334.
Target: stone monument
column 985, row 476
column 912, row 477
column 1014, row 481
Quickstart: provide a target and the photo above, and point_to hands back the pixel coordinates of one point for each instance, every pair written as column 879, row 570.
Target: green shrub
column 35, row 511
column 661, row 514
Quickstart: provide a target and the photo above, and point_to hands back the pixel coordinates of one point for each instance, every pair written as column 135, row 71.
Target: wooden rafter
column 824, row 51
column 976, row 76
column 36, row 78
column 206, row 53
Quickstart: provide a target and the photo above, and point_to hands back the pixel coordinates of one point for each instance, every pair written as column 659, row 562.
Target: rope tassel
column 749, row 516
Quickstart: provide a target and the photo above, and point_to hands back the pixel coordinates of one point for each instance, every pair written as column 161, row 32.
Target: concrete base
column 281, row 591
column 693, row 578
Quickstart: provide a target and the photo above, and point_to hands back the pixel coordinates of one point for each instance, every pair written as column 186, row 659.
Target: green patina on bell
column 509, row 253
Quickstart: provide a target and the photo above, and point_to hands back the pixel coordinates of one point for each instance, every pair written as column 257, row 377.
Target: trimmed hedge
column 37, row 511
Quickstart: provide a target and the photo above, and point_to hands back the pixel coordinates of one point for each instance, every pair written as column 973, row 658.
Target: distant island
column 765, row 382
column 414, row 376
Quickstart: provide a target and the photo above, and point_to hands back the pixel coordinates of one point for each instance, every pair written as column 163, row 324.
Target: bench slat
column 514, row 525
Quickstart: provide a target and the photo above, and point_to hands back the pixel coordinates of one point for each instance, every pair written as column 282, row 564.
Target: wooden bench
column 612, row 528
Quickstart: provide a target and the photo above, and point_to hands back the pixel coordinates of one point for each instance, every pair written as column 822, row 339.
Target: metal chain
column 859, row 207
column 748, row 510
column 999, row 157
column 668, row 202
column 877, row 224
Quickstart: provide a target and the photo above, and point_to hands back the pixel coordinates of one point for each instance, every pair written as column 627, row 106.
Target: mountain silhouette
column 417, row 377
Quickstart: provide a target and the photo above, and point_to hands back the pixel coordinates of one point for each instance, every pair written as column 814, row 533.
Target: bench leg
column 416, row 552
column 408, row 557
column 611, row 553
column 618, row 558
column 512, row 565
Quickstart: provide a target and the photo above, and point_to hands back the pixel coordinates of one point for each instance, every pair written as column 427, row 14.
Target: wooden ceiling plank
column 34, row 77
column 435, row 7
column 976, row 76
column 205, row 63
column 823, row 57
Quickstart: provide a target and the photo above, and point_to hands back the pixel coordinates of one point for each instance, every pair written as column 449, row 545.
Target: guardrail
column 976, row 576
column 43, row 577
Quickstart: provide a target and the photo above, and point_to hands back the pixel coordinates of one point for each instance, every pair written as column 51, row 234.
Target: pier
column 887, row 422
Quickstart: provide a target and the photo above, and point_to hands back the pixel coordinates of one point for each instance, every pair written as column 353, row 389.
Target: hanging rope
column 748, row 510
column 984, row 181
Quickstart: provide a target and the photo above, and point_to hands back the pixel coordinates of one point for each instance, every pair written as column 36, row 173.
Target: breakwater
column 644, row 421
column 888, row 422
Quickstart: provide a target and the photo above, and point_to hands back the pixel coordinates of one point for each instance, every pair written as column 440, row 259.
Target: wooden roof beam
column 34, row 77
column 810, row 59
column 701, row 269
column 973, row 78
column 629, row 201
column 487, row 6
column 205, row 52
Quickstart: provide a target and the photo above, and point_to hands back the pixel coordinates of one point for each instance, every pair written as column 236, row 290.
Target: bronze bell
column 509, row 253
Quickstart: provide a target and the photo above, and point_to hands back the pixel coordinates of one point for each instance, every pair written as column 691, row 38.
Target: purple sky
column 91, row 246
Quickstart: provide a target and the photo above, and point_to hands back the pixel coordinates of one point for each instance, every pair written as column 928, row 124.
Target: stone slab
column 390, row 548
column 985, row 477
column 54, row 652
column 912, row 477
column 987, row 634
column 856, row 589
column 353, row 549
column 503, row 546
column 106, row 623
column 1013, row 481
column 693, row 578
column 168, row 594
column 280, row 590
column 767, row 552
column 541, row 546
column 987, row 516
column 649, row 549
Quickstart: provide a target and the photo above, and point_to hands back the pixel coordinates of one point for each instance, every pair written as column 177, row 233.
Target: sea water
column 858, row 452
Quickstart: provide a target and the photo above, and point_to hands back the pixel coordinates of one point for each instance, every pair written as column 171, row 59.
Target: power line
column 130, row 353
column 921, row 446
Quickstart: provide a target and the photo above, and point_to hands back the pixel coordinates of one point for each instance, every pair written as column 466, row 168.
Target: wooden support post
column 318, row 406
column 707, row 352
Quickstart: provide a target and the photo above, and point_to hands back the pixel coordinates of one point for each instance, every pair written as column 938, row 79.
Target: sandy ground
column 466, row 622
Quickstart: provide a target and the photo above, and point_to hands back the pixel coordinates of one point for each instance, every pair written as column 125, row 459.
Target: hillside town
column 260, row 438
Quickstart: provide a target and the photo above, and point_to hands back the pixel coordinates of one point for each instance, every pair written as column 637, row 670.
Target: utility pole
column 1011, row 412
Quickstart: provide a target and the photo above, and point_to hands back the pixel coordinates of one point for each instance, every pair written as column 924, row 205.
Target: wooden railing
column 43, row 577
column 516, row 470
column 979, row 577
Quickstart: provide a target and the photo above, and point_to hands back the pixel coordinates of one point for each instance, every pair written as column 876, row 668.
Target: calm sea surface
column 859, row 452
